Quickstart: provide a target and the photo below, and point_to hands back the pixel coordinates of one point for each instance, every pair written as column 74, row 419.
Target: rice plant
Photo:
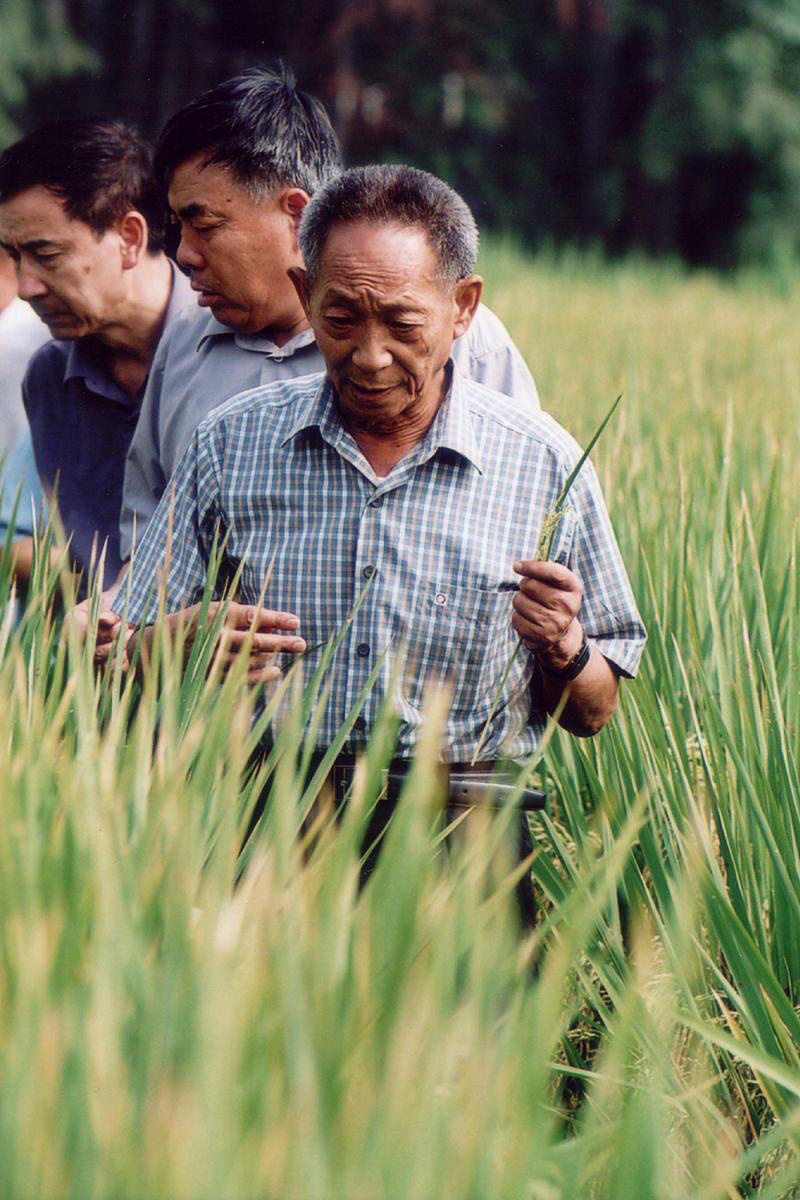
column 181, row 1020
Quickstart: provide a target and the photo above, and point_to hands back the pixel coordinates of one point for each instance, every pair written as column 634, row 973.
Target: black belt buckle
column 342, row 776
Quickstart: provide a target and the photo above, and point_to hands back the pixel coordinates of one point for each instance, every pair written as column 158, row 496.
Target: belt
column 487, row 784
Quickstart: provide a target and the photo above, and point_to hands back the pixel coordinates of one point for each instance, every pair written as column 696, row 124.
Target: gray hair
column 394, row 195
column 259, row 126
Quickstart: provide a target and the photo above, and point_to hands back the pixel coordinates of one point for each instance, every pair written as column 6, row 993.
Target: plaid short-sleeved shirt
column 279, row 474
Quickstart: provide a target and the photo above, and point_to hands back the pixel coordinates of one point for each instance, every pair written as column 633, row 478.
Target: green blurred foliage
column 36, row 45
column 661, row 125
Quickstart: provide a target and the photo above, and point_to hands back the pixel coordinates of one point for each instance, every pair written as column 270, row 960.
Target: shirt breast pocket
column 464, row 638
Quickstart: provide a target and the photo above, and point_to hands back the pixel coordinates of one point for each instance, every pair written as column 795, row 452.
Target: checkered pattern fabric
column 285, row 481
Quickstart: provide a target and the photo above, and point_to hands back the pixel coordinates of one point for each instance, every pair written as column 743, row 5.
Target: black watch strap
column 575, row 664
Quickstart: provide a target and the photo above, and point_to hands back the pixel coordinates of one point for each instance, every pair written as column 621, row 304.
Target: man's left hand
column 546, row 608
column 545, row 616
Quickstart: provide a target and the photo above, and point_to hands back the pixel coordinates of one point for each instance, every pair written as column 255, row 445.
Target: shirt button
column 368, row 572
column 360, row 724
column 440, row 598
column 362, row 649
column 376, row 502
column 278, row 357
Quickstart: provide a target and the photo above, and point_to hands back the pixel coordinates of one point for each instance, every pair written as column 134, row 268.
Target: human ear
column 293, row 201
column 299, row 278
column 467, row 297
column 132, row 230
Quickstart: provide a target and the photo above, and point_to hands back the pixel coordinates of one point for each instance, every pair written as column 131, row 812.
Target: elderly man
column 82, row 219
column 240, row 163
column 394, row 467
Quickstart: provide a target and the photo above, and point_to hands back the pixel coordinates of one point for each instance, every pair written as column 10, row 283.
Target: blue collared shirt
column 82, row 424
column 300, row 505
column 202, row 363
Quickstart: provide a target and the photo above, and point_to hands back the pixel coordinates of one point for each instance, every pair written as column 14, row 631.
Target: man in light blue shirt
column 21, row 335
column 240, row 163
column 394, row 467
column 22, row 502
column 22, row 499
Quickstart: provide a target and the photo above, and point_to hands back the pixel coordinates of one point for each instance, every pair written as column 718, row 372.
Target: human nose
column 370, row 352
column 29, row 283
column 188, row 254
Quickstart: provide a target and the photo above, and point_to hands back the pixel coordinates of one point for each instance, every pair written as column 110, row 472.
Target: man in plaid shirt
column 393, row 468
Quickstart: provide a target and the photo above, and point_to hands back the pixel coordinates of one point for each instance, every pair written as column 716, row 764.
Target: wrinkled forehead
column 378, row 254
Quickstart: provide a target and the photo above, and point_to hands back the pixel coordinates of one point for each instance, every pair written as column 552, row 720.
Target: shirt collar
column 258, row 343
column 86, row 361
column 451, row 429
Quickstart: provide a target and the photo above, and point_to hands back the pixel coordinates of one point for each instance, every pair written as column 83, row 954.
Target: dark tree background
column 668, row 126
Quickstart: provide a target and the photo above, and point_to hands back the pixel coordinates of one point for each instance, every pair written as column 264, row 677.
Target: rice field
column 178, row 1022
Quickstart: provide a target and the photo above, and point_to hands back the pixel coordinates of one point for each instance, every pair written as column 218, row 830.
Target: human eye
column 47, row 256
column 205, row 226
column 194, row 224
column 404, row 328
column 338, row 320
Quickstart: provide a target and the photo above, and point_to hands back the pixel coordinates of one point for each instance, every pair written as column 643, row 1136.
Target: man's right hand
column 261, row 632
column 265, row 631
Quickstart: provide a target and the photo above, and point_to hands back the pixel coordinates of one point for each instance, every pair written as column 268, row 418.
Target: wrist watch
column 575, row 664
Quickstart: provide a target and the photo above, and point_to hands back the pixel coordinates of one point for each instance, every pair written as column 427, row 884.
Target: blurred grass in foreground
column 166, row 1034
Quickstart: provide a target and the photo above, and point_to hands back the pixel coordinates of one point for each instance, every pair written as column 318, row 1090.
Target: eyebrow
column 195, row 209
column 36, row 244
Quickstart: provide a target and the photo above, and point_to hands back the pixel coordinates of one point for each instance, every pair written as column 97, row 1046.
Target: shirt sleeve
column 487, row 354
column 585, row 542
column 171, row 558
column 505, row 370
column 145, row 481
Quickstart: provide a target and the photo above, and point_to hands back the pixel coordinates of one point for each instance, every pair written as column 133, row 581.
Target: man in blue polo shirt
column 82, row 219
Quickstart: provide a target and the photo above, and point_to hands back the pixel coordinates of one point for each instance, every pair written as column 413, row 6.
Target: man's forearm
column 23, row 556
column 592, row 695
column 257, row 633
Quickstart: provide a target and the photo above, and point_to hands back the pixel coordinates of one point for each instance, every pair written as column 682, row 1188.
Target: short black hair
column 261, row 127
column 394, row 195
column 100, row 170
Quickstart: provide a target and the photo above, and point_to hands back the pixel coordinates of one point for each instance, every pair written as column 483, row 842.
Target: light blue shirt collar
column 258, row 343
